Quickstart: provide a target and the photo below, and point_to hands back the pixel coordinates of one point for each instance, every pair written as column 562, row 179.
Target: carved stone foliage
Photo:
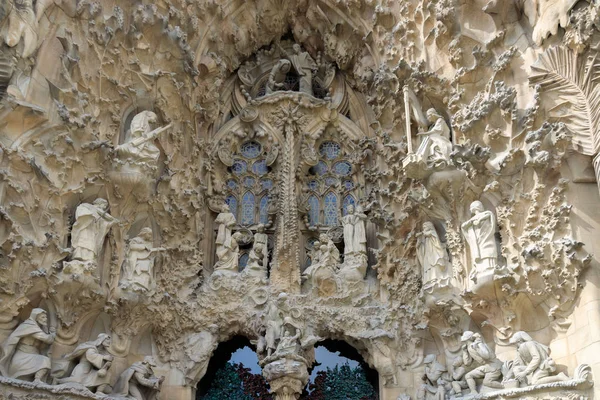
column 393, row 174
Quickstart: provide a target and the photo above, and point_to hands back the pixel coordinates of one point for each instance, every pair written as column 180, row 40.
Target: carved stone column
column 286, row 272
column 286, row 376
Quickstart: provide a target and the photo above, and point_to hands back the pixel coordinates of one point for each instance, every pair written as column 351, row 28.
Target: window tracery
column 248, row 185
column 330, row 185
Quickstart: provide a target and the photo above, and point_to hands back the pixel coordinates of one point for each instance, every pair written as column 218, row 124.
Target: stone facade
column 416, row 178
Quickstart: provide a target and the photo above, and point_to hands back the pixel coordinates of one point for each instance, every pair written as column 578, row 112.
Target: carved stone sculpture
column 479, row 233
column 355, row 237
column 533, row 364
column 256, row 260
column 274, row 322
column 23, row 23
column 93, row 364
column 226, row 222
column 321, row 274
column 435, row 147
column 198, row 349
column 228, row 255
column 482, row 361
column 433, row 258
column 139, row 382
column 277, row 76
column 92, row 223
column 22, row 356
column 138, row 269
column 140, row 148
column 288, row 344
column 435, row 380
column 305, row 66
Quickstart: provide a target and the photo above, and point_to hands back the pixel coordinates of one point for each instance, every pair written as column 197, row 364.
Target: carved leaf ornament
column 573, row 81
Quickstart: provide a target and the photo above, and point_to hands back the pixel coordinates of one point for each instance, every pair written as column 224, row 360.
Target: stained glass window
column 348, row 200
column 331, row 181
column 231, row 184
column 247, row 209
column 260, row 167
column 330, row 209
column 263, row 214
column 239, row 167
column 313, row 210
column 249, row 181
column 348, row 185
column 243, row 261
column 329, row 150
column 313, row 185
column 342, row 168
column 251, row 149
column 232, row 203
column 267, row 184
column 321, row 168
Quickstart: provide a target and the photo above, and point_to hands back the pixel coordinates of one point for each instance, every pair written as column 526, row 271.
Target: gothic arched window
column 248, row 185
column 330, row 184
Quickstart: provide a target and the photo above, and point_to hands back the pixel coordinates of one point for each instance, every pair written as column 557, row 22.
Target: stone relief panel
column 392, row 174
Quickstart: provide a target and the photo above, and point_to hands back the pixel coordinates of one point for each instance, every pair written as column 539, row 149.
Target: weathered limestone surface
column 417, row 178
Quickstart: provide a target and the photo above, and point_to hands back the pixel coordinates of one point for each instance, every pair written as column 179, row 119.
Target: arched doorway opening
column 339, row 367
column 233, row 373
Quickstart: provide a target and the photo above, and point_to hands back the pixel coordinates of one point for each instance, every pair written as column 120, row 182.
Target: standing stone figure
column 274, row 322
column 479, row 233
column 139, row 381
column 432, row 257
column 436, row 146
column 261, row 237
column 198, row 349
column 140, row 147
column 533, row 364
column 22, row 356
column 226, row 222
column 277, row 76
column 355, row 237
column 138, row 270
column 94, row 362
column 92, row 223
column 477, row 355
column 434, row 380
column 305, row 66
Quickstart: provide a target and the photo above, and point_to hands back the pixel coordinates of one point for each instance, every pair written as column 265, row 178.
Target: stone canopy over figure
column 92, row 223
column 355, row 237
column 533, row 364
column 139, row 381
column 479, row 233
column 22, row 356
column 432, row 257
column 94, row 362
column 140, row 148
column 138, row 269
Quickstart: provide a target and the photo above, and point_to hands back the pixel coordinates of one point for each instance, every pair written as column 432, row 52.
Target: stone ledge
column 562, row 390
column 14, row 389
